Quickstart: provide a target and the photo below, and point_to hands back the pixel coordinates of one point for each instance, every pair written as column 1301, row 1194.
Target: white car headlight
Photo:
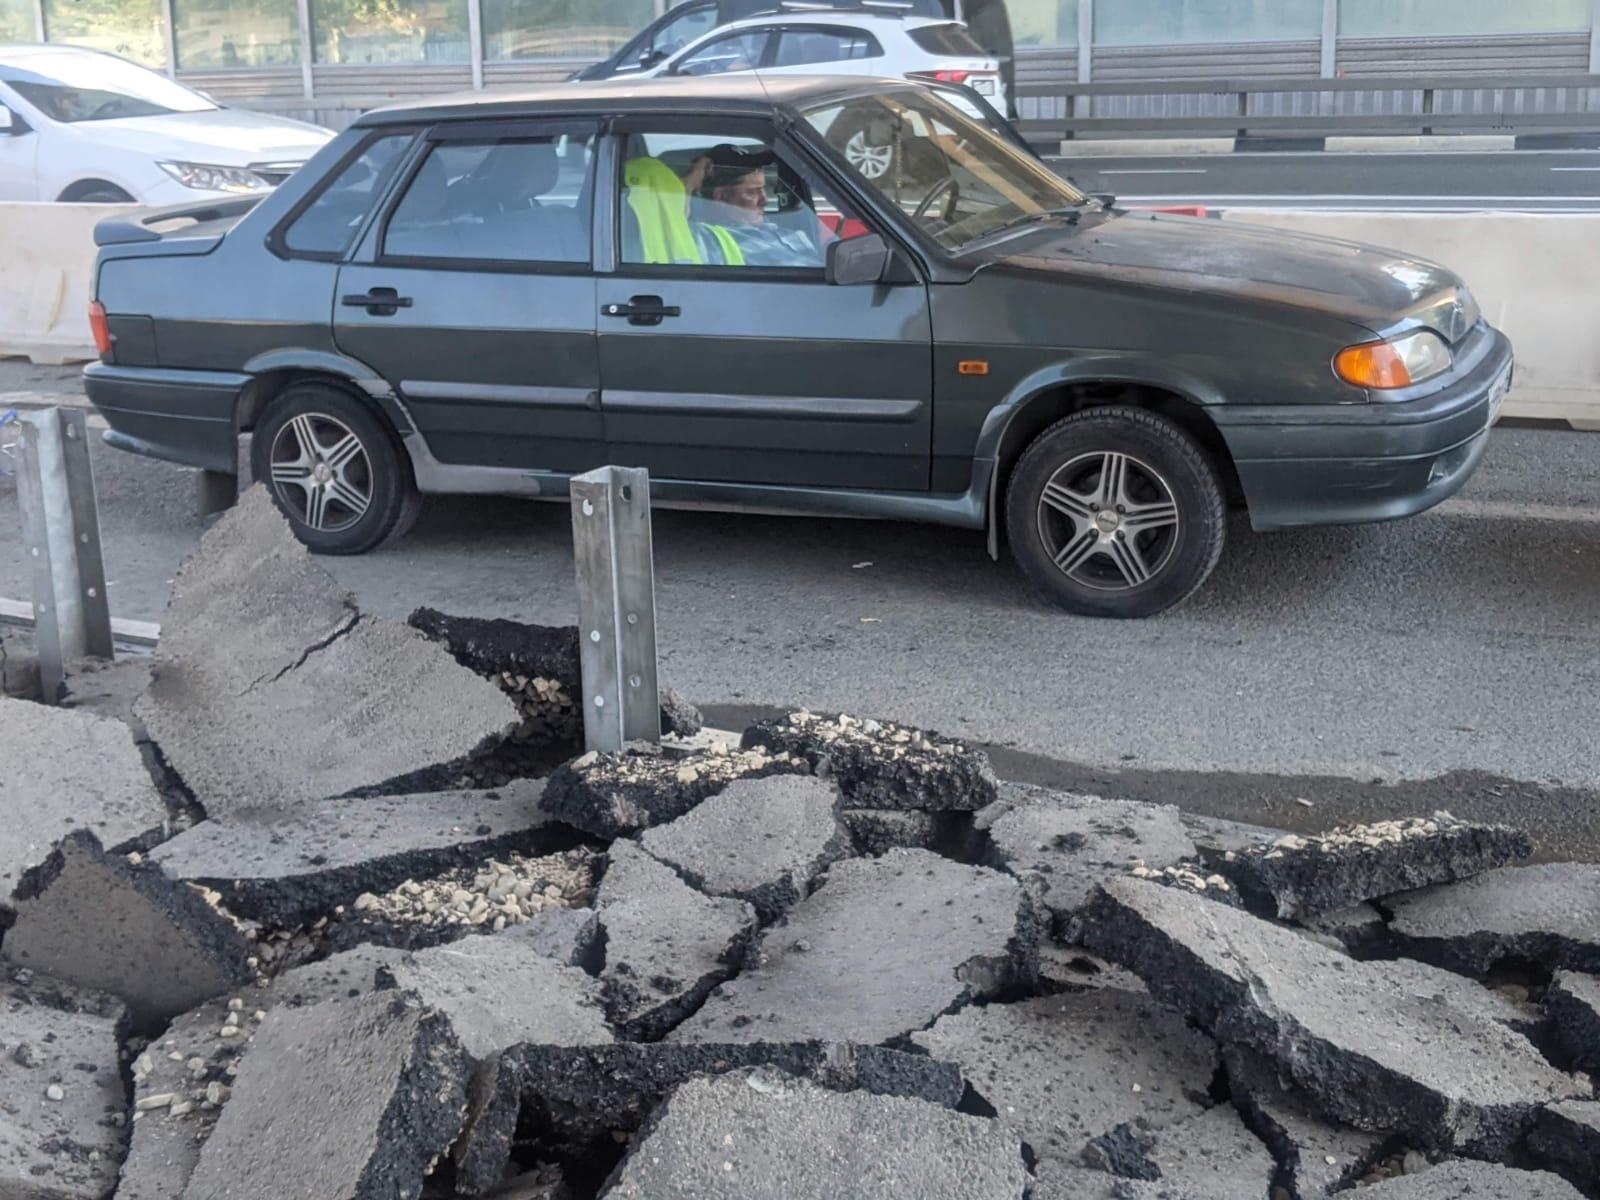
column 1397, row 363
column 206, row 178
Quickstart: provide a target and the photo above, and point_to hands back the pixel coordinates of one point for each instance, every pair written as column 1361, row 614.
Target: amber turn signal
column 1372, row 365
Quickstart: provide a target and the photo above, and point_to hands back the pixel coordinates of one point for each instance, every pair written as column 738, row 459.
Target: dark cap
column 730, row 163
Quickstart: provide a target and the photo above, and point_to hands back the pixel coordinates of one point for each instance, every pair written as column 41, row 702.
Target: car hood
column 1382, row 290
column 222, row 137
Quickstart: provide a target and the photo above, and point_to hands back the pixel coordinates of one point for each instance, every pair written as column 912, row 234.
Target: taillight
column 941, row 76
column 101, row 328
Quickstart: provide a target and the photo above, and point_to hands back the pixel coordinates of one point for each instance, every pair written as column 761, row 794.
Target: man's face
column 746, row 198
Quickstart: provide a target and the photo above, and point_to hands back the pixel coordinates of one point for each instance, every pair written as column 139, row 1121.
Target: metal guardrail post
column 616, row 606
column 61, row 533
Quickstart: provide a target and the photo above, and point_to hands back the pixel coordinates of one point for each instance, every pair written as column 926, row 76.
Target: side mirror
column 10, row 123
column 651, row 57
column 1106, row 199
column 865, row 259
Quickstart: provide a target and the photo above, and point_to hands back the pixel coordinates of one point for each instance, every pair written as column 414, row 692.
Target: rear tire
column 334, row 468
column 1115, row 512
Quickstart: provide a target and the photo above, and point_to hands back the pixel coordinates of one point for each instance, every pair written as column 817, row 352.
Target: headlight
column 215, row 179
column 1398, row 363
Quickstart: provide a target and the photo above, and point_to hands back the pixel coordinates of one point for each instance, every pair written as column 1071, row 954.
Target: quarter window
column 740, row 52
column 709, row 200
column 520, row 199
column 799, row 47
column 325, row 229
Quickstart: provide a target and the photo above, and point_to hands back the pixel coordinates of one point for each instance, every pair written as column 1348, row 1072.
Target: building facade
column 328, row 58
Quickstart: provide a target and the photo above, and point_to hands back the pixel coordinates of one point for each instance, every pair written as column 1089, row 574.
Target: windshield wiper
column 1070, row 213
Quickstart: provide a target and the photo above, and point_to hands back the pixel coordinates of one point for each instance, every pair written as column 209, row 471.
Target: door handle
column 378, row 301
column 642, row 310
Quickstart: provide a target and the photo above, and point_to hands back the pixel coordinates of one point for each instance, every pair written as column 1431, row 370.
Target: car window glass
column 798, row 47
column 714, row 200
column 522, row 199
column 97, row 87
column 675, row 35
column 949, row 39
column 332, row 219
column 739, row 52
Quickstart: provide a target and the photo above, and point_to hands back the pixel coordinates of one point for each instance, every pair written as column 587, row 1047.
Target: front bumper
column 181, row 416
column 1350, row 464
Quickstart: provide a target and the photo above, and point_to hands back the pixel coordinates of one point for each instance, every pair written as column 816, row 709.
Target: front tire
column 1115, row 512
column 334, row 469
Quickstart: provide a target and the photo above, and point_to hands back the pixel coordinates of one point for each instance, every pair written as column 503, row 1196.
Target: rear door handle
column 642, row 310
column 378, row 301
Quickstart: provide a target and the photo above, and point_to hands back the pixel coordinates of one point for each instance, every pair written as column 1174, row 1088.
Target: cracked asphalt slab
column 1447, row 661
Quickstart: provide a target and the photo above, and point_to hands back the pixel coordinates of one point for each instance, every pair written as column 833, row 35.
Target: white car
column 842, row 43
column 80, row 125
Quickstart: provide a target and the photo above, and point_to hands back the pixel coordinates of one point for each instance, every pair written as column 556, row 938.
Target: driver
column 729, row 186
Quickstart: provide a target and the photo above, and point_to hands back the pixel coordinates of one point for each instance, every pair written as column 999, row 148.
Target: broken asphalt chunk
column 343, row 1100
column 614, row 795
column 1366, row 1047
column 1566, row 1139
column 879, row 764
column 1573, row 1002
column 575, row 1096
column 878, row 830
column 77, row 772
column 761, row 840
column 1316, row 1157
column 1547, row 914
column 1211, row 1156
column 883, row 947
column 1477, row 1180
column 1300, row 876
column 1064, row 845
column 271, row 689
column 100, row 921
column 1062, row 1069
column 763, row 1135
column 667, row 945
column 62, row 1107
column 283, row 867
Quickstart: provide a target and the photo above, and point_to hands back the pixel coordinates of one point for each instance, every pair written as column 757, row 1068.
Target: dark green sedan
column 491, row 294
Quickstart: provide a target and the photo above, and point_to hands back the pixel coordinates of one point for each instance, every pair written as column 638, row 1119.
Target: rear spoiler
column 126, row 228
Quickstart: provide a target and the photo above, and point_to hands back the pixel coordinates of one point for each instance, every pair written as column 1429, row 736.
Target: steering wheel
column 947, row 184
column 106, row 107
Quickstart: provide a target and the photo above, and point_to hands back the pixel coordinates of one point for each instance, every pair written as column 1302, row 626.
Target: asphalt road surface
column 1514, row 180
column 1448, row 661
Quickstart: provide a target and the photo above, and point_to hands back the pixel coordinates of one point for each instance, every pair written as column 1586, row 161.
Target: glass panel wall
column 1044, row 22
column 131, row 28
column 514, row 29
column 16, row 21
column 1168, row 23
column 1441, row 18
column 382, row 32
column 217, row 34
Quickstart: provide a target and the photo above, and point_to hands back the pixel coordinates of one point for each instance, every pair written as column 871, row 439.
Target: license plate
column 1497, row 393
column 984, row 87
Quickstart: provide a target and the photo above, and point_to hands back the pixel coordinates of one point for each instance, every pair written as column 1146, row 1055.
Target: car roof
column 21, row 51
column 836, row 16
column 739, row 92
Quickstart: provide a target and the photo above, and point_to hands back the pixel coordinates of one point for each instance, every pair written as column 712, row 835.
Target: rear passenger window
column 325, row 229
column 521, row 199
column 948, row 39
column 798, row 47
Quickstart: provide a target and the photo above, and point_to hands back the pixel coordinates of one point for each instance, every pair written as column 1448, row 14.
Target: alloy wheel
column 872, row 161
column 321, row 472
column 1108, row 520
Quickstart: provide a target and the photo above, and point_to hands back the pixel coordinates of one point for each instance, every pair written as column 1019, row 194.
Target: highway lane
column 1513, row 180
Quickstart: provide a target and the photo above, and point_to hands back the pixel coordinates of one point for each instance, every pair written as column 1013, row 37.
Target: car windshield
column 97, row 87
column 959, row 180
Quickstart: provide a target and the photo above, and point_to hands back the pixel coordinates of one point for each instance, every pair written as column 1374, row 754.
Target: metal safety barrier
column 1447, row 103
column 616, row 606
column 61, row 536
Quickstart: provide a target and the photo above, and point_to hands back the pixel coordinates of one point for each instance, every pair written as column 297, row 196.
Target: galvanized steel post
column 61, row 534
column 616, row 606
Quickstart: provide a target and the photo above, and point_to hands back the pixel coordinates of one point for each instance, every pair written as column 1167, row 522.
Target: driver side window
column 738, row 52
column 725, row 200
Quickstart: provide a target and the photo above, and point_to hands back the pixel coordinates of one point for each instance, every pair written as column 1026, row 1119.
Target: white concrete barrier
column 1534, row 274
column 46, row 276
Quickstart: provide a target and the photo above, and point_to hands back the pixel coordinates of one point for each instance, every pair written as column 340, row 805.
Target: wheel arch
column 1048, row 396
column 277, row 370
column 82, row 187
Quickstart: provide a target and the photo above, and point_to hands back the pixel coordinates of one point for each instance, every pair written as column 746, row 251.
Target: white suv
column 80, row 125
column 843, row 43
